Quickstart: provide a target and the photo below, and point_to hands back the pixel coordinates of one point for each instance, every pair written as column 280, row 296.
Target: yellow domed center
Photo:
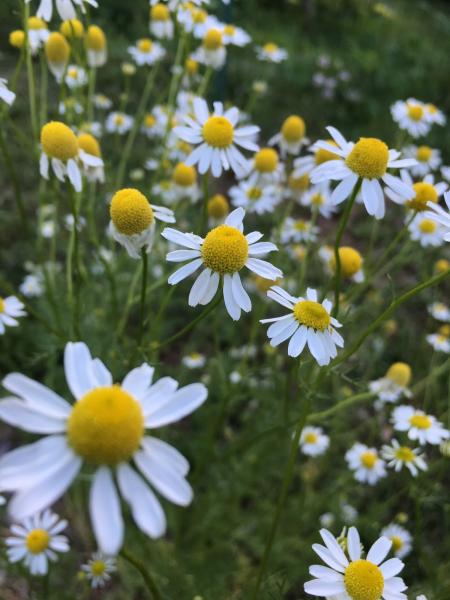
column 57, row 49
column 229, row 30
column 37, row 541
column 199, row 16
column 312, row 314
column 368, row 459
column 218, row 132
column 301, row 225
column 405, row 454
column 427, row 226
column 17, row 38
column 317, row 199
column 95, row 38
column 415, row 112
column 73, row 73
column 89, row 144
column 254, row 193
column 191, row 66
column 420, row 421
column 72, row 28
column 159, row 12
column 350, row 259
column 363, row 580
column 59, row 141
column 442, row 265
column 293, row 129
column 150, row 121
column 270, row 48
column 368, row 158
column 322, row 155
column 213, row 39
column 130, row 211
column 225, row 250
column 399, row 373
column 424, row 153
column 145, row 45
column 397, row 543
column 36, row 23
column 218, row 206
column 106, row 426
column 425, row 192
column 98, row 568
column 311, row 438
column 445, row 330
column 299, row 184
column 184, row 175
column 266, row 160
column 119, row 120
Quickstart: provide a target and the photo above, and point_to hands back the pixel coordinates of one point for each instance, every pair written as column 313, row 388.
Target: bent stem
column 152, row 588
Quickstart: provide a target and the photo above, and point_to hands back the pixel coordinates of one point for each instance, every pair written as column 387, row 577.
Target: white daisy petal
column 106, row 515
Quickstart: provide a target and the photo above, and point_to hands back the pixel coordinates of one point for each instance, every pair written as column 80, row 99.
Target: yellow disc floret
column 311, row 438
column 225, row 250
column 399, row 373
column 73, row 28
column 322, row 155
column 350, row 259
column 312, row 314
column 106, row 426
column 424, row 192
column 427, row 226
column 270, row 47
column 397, row 543
column 184, row 175
column 363, row 580
column 218, row 206
column 145, row 45
column 424, row 153
column 415, row 112
column 95, row 39
column 89, row 144
column 266, row 160
column 59, row 141
column 159, row 12
column 420, row 421
column 441, row 265
column 37, row 541
column 130, row 211
column 254, row 193
column 368, row 459
column 213, row 39
column 191, row 66
column 299, row 184
column 229, row 30
column 405, row 454
column 293, row 129
column 368, row 158
column 57, row 50
column 98, row 568
column 36, row 23
column 2, row 305
column 218, row 132
column 17, row 38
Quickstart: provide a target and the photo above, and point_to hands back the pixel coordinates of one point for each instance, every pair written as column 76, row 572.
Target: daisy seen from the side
column 441, row 216
column 11, row 308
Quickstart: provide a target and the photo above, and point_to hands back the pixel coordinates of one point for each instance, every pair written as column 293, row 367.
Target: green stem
column 304, row 263
column 144, row 256
column 44, row 88
column 152, row 588
column 90, row 94
column 30, row 75
column 73, row 270
column 205, row 82
column 393, row 245
column 14, row 179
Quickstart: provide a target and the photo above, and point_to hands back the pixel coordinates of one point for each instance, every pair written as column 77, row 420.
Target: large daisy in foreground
column 348, row 576
column 368, row 160
column 105, row 428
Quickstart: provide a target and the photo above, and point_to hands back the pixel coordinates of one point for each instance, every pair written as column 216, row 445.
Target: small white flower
column 439, row 311
column 439, row 342
column 393, row 385
column 98, row 569
column 428, row 159
column 367, row 466
column 398, row 457
column 102, row 102
column 161, row 24
column 11, row 308
column 291, row 136
column 234, row 36
column 255, row 198
column 194, row 360
column 119, row 122
column 350, row 259
column 313, row 441
column 212, row 51
column 31, row 286
column 298, row 230
column 270, row 52
column 318, row 197
column 146, row 52
column 426, row 429
column 76, row 77
column 425, row 191
column 5, row 94
column 65, row 8
column 401, row 539
column 412, row 116
column 426, row 231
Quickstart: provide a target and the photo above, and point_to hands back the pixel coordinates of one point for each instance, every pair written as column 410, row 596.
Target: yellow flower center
column 399, row 373
column 59, row 141
column 98, row 568
column 145, row 45
column 445, row 330
column 254, row 193
column 17, row 38
column 424, row 153
column 263, row 285
column 397, row 543
column 213, row 39
column 299, row 184
column 199, row 16
column 184, row 175
column 119, row 120
column 311, row 438
column 312, row 314
column 270, row 48
column 293, row 129
column 73, row 73
column 37, row 541
column 218, row 207
column 301, row 225
column 159, row 12
column 317, row 199
column 427, row 226
column 218, row 132
column 89, row 144
column 322, row 155
column 95, row 38
column 415, row 112
column 405, row 454
column 106, row 426
column 350, row 259
column 57, row 50
column 72, row 28
column 368, row 459
column 368, row 158
column 130, row 211
column 266, row 160
column 363, row 580
column 420, row 421
column 36, row 23
column 229, row 30
column 425, row 192
column 225, row 250
column 191, row 66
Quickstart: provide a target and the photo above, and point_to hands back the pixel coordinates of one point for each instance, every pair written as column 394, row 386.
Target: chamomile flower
column 119, row 122
column 195, row 20
column 435, row 115
column 440, row 342
column 216, row 137
column 255, row 198
column 38, row 33
column 440, row 216
column 133, row 220
column 161, row 24
column 271, row 52
column 394, row 384
column 194, row 360
column 426, row 231
column 412, row 116
column 36, row 541
column 218, row 209
column 318, row 198
column 439, row 311
column 11, row 308
column 72, row 29
column 98, row 569
column 428, row 159
column 223, row 253
column 102, row 102
column 75, row 77
column 146, row 52
column 298, row 230
column 96, row 46
column 291, row 136
column 265, row 167
column 185, row 185
column 304, row 165
column 367, row 160
column 348, row 576
column 296, row 187
column 426, row 429
column 41, row 472
column 309, row 323
column 350, row 260
column 313, row 441
column 398, row 456
column 6, row 94
column 424, row 191
column 32, row 286
column 401, row 539
column 57, row 52
column 88, row 143
column 234, row 36
column 61, row 150
column 365, row 463
column 65, row 8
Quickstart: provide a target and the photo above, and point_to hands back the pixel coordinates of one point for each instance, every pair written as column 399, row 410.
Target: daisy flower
column 38, row 33
column 259, row 199
column 61, row 150
column 428, row 159
column 298, row 230
column 102, row 102
column 439, row 215
column 98, row 569
column 435, row 115
column 96, row 47
column 313, row 441
column 10, row 309
column 223, row 253
column 348, row 576
column 426, row 231
column 119, row 122
column 218, row 209
column 76, row 77
column 304, row 165
column 271, row 52
column 398, row 457
column 32, row 286
column 161, row 25
column 88, row 143
column 439, row 311
column 309, row 322
column 5, row 94
column 194, row 360
column 41, row 472
column 265, row 167
column 367, row 161
column 146, row 52
column 423, row 192
column 133, row 220
column 212, row 51
column 291, row 136
column 426, row 429
column 350, row 259
column 235, row 36
column 440, row 342
column 36, row 540
column 394, row 384
column 296, row 187
column 412, row 116
column 216, row 137
column 185, row 185
column 401, row 539
column 318, row 197
column 365, row 463
column 57, row 52
column 65, row 8
column 72, row 29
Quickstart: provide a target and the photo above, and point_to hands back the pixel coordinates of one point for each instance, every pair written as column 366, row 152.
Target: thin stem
column 14, row 179
column 205, row 82
column 152, row 588
column 30, row 74
column 304, row 264
column 44, row 88
column 394, row 244
column 143, row 293
column 90, row 94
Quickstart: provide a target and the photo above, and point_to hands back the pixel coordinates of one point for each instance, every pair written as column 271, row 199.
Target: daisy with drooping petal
column 218, row 209
column 412, row 117
column 161, row 24
column 291, row 136
column 398, row 457
column 426, row 429
column 133, row 220
column 75, row 77
column 5, row 94
column 255, row 198
column 57, row 52
column 194, row 360
column 309, row 323
column 439, row 215
column 426, row 231
column 212, row 51
column 185, row 185
column 106, row 428
column 394, row 384
column 65, row 8
column 146, row 52
column 88, row 143
column 348, row 576
column 265, row 167
column 367, row 160
column 216, row 137
column 439, row 341
column 36, row 540
column 119, row 122
column 367, row 466
column 428, row 159
column 223, row 253
column 350, row 259
column 423, row 192
column 434, row 114
column 401, row 539
column 38, row 33
column 313, row 441
column 439, row 311
column 304, row 165
column 96, row 46
column 98, row 569
column 235, row 36
column 271, row 52
column 11, row 308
